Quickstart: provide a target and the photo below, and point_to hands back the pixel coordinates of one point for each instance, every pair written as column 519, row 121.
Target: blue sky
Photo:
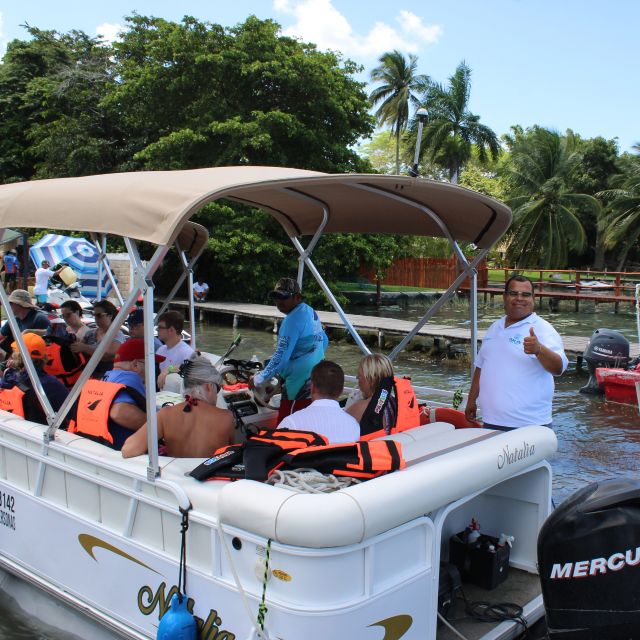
column 556, row 63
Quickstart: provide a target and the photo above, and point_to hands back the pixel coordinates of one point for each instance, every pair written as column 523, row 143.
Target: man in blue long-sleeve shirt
column 301, row 345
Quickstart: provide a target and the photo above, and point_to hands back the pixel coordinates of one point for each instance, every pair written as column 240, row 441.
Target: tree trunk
column 398, row 153
column 622, row 256
column 598, row 258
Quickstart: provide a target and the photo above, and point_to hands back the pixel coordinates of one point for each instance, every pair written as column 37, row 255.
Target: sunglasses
column 277, row 295
column 519, row 294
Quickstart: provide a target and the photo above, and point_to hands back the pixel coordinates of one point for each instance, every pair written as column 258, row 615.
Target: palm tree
column 545, row 221
column 451, row 130
column 622, row 226
column 399, row 81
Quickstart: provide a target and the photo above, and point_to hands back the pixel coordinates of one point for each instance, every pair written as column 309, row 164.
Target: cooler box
column 589, row 563
column 482, row 562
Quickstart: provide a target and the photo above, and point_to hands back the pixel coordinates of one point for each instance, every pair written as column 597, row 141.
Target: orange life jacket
column 11, row 400
column 258, row 457
column 408, row 410
column 362, row 460
column 407, row 414
column 94, row 405
column 63, row 363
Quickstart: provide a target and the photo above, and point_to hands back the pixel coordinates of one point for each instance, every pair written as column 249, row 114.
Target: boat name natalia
column 509, row 456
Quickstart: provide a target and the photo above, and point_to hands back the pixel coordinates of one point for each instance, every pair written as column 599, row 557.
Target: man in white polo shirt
column 324, row 415
column 521, row 353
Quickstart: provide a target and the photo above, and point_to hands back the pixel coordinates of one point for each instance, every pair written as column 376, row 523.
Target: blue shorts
column 41, row 298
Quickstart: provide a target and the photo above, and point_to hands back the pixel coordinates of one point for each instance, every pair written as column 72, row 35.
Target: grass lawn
column 367, row 286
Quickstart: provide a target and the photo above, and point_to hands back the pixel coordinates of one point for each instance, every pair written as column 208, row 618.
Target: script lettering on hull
column 208, row 629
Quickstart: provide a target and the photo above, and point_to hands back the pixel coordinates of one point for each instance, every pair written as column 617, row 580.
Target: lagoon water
column 597, row 440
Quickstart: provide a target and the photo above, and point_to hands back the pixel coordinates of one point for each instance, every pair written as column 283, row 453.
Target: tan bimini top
column 154, row 205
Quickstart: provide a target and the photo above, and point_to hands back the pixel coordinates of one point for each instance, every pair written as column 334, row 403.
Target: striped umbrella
column 79, row 254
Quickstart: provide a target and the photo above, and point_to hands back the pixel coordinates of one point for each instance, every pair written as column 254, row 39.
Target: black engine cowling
column 589, row 563
column 607, row 348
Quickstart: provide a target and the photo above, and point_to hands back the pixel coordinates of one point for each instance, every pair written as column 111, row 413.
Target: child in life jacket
column 17, row 394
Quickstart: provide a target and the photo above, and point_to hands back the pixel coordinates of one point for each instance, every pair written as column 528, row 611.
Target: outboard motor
column 607, row 348
column 589, row 563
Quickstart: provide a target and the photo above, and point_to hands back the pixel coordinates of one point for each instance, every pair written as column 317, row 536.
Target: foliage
column 195, row 94
column 598, row 163
column 623, row 227
column 50, row 121
column 546, row 225
column 396, row 93
column 451, row 131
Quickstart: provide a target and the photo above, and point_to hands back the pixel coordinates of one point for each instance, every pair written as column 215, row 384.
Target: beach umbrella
column 79, row 254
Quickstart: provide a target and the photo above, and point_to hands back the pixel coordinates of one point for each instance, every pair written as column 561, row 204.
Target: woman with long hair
column 372, row 370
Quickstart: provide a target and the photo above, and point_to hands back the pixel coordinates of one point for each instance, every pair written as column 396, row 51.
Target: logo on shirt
column 516, row 339
column 383, row 396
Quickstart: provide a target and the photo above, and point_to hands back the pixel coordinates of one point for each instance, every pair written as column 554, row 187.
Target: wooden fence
column 425, row 273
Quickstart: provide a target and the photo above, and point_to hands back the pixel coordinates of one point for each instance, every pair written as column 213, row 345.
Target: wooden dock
column 556, row 294
column 574, row 345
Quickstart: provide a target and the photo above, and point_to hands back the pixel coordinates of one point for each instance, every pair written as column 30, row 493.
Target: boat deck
column 519, row 588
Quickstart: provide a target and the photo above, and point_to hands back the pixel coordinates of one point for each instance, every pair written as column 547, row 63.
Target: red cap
column 132, row 349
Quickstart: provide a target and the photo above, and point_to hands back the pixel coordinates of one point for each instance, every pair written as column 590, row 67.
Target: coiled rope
column 309, row 481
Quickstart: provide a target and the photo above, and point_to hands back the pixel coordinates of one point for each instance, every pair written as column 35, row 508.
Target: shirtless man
column 194, row 428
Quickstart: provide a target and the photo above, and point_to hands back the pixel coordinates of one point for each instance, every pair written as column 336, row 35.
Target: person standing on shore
column 521, row 354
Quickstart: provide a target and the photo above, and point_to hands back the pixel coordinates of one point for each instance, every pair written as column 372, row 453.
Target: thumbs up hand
column 531, row 344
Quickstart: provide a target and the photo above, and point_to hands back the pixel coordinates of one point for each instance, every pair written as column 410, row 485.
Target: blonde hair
column 18, row 361
column 197, row 371
column 375, row 367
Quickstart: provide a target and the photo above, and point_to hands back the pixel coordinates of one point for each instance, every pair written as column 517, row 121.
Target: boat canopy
column 153, row 206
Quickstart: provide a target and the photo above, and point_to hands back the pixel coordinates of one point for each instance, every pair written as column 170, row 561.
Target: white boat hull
column 89, row 528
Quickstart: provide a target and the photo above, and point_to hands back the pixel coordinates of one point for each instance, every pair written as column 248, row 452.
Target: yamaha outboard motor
column 589, row 563
column 607, row 348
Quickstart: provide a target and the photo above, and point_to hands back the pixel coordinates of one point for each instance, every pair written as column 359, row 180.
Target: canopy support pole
column 26, row 358
column 143, row 282
column 186, row 267
column 316, row 236
column 305, row 258
column 473, row 318
column 444, row 298
column 334, row 303
column 101, row 246
column 74, row 393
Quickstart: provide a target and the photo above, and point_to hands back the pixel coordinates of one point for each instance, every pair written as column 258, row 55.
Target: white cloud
column 109, row 32
column 320, row 22
column 412, row 24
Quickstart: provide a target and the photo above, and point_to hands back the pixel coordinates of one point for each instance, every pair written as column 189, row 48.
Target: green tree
column 195, row 94
column 622, row 228
column 50, row 120
column 546, row 225
column 400, row 82
column 598, row 163
column 451, row 131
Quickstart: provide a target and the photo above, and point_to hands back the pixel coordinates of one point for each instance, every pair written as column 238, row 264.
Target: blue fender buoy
column 177, row 623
